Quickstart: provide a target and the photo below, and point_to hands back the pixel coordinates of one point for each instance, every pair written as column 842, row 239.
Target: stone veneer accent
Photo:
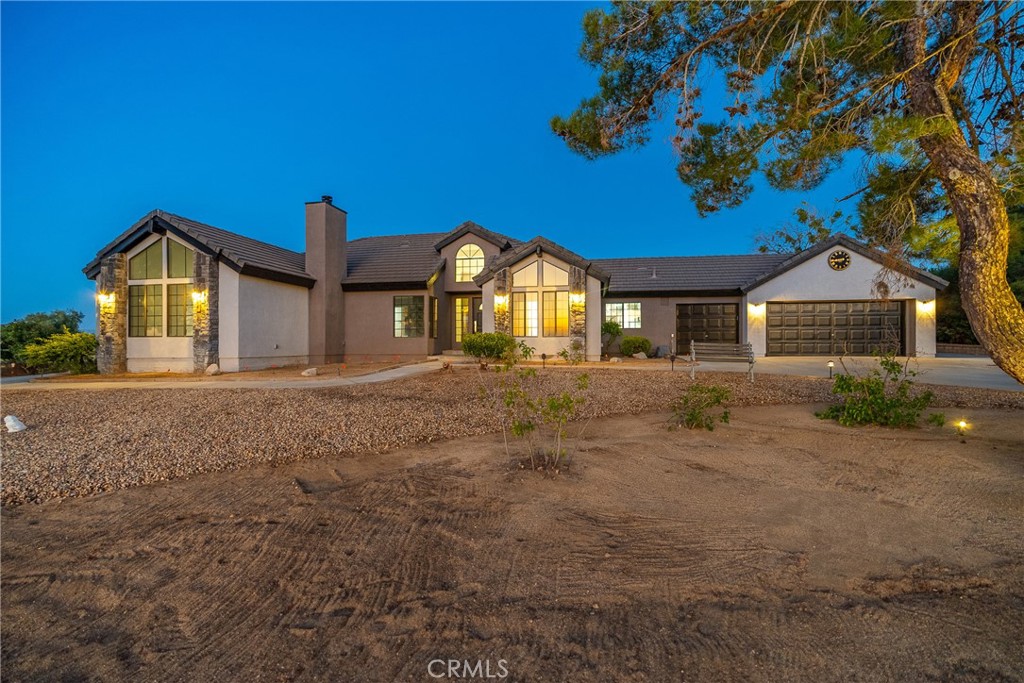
column 205, row 316
column 502, row 319
column 577, row 312
column 112, row 321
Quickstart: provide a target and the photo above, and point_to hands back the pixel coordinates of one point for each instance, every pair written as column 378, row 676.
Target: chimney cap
column 326, row 199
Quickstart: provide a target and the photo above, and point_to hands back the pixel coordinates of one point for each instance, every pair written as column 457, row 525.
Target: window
column 145, row 310
column 148, row 264
column 555, row 276
column 179, row 260
column 556, row 314
column 469, row 261
column 625, row 314
column 524, row 314
column 179, row 310
column 433, row 317
column 525, row 277
column 408, row 316
column 462, row 313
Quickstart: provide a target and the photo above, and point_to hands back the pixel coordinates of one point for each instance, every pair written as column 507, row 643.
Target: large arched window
column 469, row 261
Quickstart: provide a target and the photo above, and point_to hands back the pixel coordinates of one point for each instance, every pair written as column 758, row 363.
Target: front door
column 468, row 317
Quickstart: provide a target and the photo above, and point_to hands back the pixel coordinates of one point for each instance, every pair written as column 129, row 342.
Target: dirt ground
column 778, row 547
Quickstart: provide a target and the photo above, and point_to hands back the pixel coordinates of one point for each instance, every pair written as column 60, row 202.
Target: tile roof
column 686, row 273
column 393, row 258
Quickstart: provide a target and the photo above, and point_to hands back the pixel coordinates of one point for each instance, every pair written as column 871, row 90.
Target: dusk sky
column 415, row 117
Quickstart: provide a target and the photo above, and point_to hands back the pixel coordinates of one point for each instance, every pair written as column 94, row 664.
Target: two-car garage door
column 825, row 328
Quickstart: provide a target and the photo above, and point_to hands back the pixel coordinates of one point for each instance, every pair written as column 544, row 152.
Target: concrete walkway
column 963, row 371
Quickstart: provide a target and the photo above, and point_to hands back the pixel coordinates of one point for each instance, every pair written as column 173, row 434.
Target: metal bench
column 708, row 351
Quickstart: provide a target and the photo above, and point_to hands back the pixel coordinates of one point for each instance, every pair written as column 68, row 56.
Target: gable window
column 469, row 261
column 540, row 301
column 625, row 314
column 155, row 291
column 408, row 316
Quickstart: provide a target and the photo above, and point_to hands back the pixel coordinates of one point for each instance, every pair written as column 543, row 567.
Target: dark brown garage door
column 831, row 328
column 706, row 323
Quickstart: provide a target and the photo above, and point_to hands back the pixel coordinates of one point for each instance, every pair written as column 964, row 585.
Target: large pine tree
column 930, row 95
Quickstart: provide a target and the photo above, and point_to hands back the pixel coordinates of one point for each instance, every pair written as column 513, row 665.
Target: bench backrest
column 710, row 351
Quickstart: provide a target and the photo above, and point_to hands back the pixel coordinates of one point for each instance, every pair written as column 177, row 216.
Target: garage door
column 706, row 323
column 831, row 328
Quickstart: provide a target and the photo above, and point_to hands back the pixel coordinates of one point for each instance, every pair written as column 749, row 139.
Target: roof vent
column 326, row 199
column 654, row 273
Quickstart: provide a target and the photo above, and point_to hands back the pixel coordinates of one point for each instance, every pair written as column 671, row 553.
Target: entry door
column 468, row 317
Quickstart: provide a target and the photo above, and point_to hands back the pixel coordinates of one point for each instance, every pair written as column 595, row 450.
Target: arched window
column 469, row 261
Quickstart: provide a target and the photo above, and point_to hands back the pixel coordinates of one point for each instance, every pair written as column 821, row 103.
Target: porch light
column 500, row 300
column 756, row 310
column 577, row 298
column 926, row 307
column 107, row 301
column 198, row 296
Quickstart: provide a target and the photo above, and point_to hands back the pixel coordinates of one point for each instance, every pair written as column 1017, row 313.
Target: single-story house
column 175, row 294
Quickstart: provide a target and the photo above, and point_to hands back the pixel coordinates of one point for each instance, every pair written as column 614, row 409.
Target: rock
column 212, row 369
column 616, row 360
column 14, row 424
column 641, row 355
column 309, row 372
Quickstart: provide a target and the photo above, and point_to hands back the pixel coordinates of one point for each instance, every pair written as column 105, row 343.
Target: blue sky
column 415, row 117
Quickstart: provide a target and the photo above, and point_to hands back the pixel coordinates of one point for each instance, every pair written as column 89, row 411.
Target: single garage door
column 831, row 328
column 706, row 323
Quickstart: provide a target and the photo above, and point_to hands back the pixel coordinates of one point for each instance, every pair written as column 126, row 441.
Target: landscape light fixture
column 543, row 360
column 961, row 427
column 672, row 360
column 831, row 364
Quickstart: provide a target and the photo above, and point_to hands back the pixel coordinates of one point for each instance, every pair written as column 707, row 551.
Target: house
column 175, row 294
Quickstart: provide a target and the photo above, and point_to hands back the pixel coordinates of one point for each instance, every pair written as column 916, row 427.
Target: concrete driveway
column 961, row 371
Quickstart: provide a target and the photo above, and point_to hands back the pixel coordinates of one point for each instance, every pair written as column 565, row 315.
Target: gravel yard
column 83, row 442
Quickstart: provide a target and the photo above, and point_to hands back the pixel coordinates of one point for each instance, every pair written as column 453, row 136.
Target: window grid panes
column 556, row 314
column 408, row 316
column 524, row 314
column 179, row 311
column 625, row 314
column 179, row 260
column 462, row 313
column 147, row 264
column 145, row 310
column 469, row 261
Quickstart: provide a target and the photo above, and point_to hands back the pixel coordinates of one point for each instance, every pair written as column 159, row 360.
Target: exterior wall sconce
column 577, row 298
column 756, row 311
column 500, row 300
column 198, row 297
column 107, row 301
column 926, row 307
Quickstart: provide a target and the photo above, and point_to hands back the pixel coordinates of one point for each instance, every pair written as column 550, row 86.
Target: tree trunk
column 980, row 211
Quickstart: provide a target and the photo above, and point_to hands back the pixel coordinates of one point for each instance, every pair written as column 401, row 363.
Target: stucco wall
column 814, row 280
column 160, row 354
column 273, row 324
column 658, row 316
column 447, row 280
column 228, row 319
column 369, row 324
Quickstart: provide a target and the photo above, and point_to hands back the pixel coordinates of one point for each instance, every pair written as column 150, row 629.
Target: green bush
column 631, row 345
column 881, row 398
column 610, row 331
column 64, row 352
column 491, row 346
column 574, row 353
column 691, row 409
column 34, row 328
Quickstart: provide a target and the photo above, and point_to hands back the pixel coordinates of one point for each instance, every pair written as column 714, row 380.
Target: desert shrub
column 574, row 353
column 937, row 419
column 492, row 346
column 63, row 352
column 700, row 407
column 610, row 331
column 883, row 397
column 631, row 345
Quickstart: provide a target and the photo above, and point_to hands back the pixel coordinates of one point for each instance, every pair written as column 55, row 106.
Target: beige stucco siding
column 273, row 328
column 228, row 319
column 447, row 280
column 369, row 327
column 814, row 280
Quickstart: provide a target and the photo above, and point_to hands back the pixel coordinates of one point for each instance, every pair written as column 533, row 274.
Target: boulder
column 309, row 372
column 212, row 369
column 13, row 424
column 641, row 355
column 616, row 359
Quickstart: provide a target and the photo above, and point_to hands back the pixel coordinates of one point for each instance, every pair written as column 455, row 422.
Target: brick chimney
column 326, row 260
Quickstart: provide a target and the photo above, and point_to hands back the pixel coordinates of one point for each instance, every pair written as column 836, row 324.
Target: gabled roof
column 539, row 245
column 469, row 227
column 243, row 254
column 841, row 240
column 697, row 274
column 405, row 261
